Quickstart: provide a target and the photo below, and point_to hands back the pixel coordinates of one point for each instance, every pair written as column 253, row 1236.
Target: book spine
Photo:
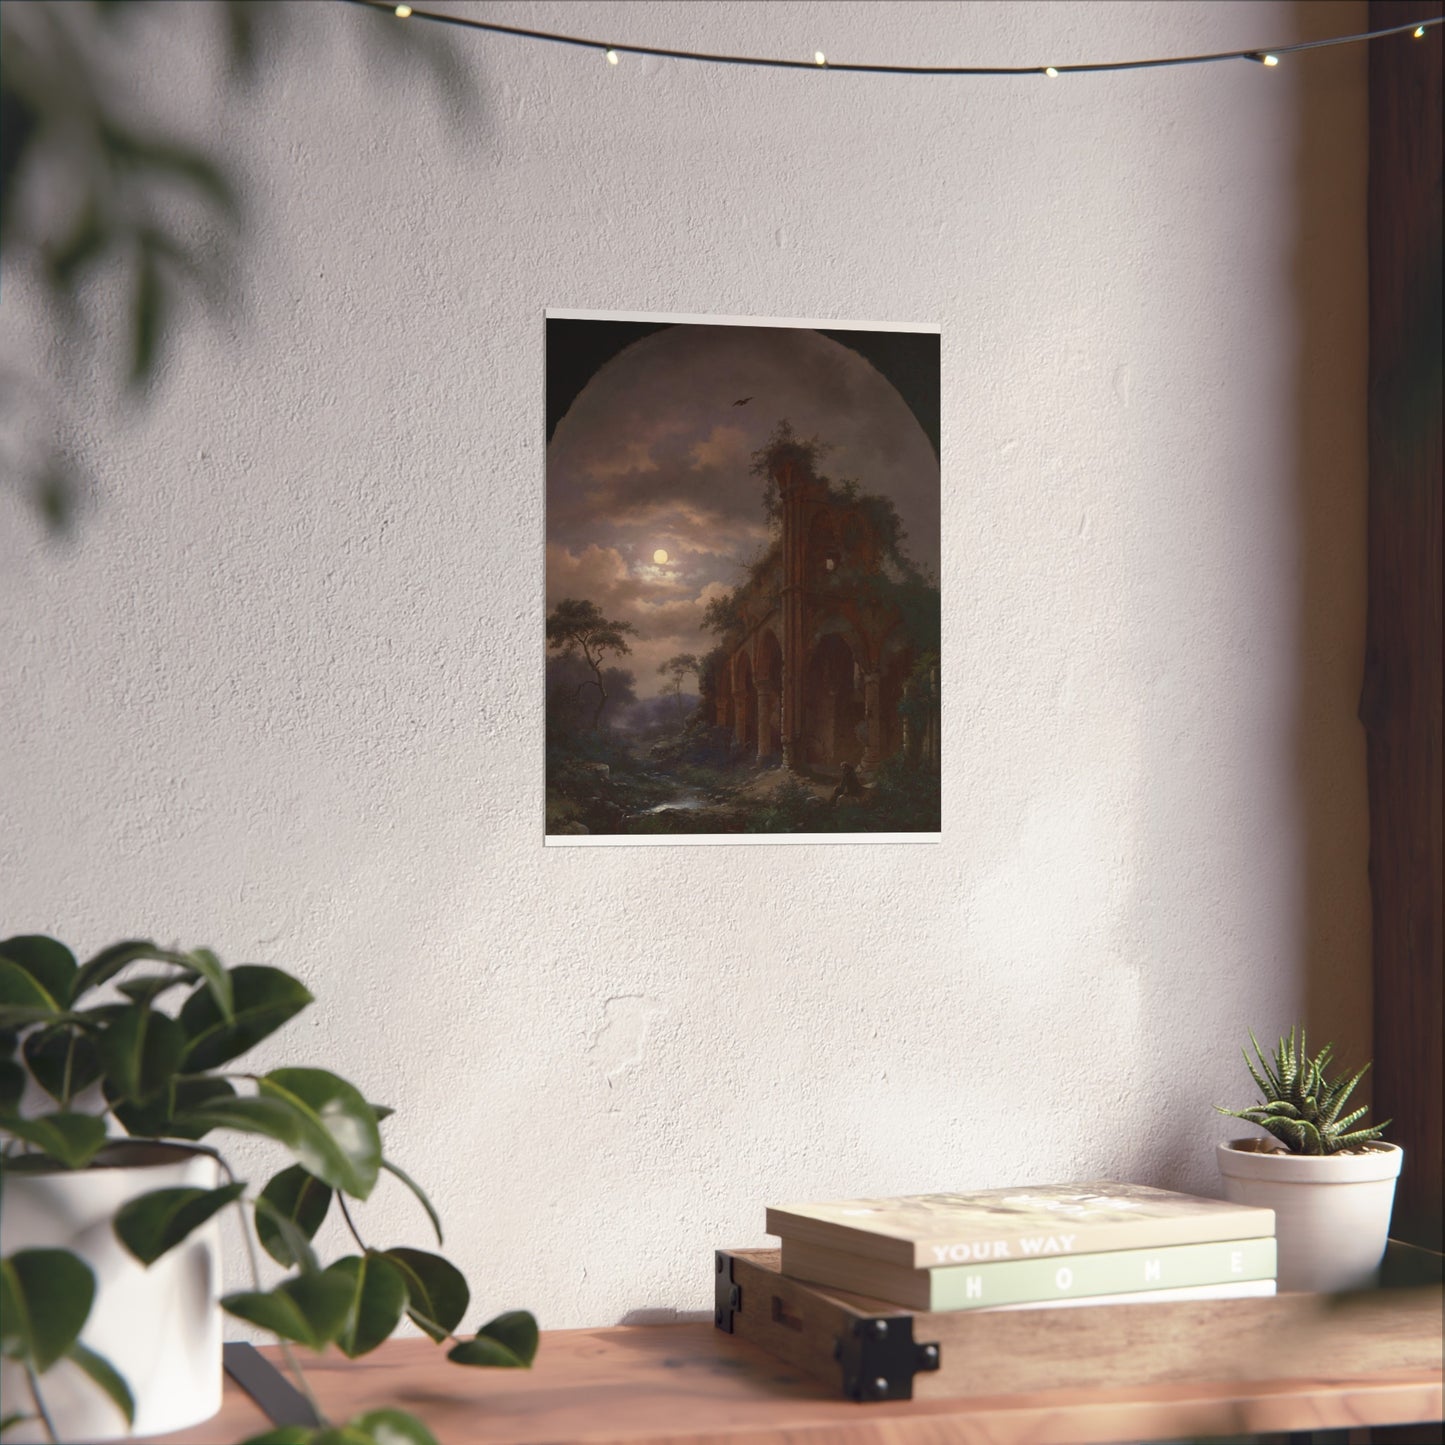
column 1248, row 1289
column 1116, row 1272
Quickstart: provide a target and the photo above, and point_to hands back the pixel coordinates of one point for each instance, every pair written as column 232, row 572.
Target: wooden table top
column 692, row 1384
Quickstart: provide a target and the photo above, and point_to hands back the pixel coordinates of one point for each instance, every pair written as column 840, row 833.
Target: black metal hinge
column 880, row 1357
column 727, row 1296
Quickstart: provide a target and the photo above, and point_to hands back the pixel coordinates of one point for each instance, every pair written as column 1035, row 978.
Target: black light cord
column 612, row 50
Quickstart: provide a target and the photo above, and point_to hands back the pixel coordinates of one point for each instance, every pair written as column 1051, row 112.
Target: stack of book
column 1031, row 1247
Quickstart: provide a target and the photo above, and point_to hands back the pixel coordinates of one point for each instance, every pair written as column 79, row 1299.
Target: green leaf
column 392, row 1427
column 104, row 1374
column 23, row 999
column 141, row 1051
column 51, row 1054
column 310, row 1310
column 382, row 1111
column 109, row 962
column 378, row 1296
column 73, row 1139
column 161, row 1117
column 416, row 1189
column 340, row 1143
column 341, row 1435
column 507, row 1342
column 296, row 1243
column 148, row 989
column 50, row 964
column 45, row 1299
column 263, row 999
column 296, row 1196
column 12, row 1086
column 437, row 1294
column 11, row 1421
column 151, row 1224
column 284, row 1435
column 210, row 968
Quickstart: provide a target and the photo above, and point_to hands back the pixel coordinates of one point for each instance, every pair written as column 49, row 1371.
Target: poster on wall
column 742, row 634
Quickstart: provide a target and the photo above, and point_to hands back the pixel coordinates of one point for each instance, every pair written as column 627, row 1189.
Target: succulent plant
column 1301, row 1108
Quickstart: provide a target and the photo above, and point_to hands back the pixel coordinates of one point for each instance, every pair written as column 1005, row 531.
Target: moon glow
column 659, row 556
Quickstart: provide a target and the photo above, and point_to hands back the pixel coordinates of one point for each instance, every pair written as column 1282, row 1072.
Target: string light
column 612, row 57
column 1260, row 56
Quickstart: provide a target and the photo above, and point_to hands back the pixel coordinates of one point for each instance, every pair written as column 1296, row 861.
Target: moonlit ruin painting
column 742, row 604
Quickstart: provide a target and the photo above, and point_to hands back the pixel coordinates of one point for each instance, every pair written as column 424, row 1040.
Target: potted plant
column 1331, row 1186
column 112, row 1086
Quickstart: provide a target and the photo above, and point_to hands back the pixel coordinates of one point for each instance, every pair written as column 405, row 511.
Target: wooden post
column 1400, row 702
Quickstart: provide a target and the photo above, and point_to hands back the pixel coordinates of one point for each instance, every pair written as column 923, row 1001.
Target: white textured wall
column 282, row 693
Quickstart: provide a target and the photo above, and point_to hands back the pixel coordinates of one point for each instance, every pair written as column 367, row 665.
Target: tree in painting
column 577, row 628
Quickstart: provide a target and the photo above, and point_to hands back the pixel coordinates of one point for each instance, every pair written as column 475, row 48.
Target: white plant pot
column 160, row 1327
column 1331, row 1211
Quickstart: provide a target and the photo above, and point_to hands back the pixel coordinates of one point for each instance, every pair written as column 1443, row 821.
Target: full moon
column 659, row 556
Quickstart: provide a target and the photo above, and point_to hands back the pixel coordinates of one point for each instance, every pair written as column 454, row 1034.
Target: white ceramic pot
column 160, row 1327
column 1331, row 1211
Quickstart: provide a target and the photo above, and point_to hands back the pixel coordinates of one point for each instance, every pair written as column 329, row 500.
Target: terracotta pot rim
column 114, row 1154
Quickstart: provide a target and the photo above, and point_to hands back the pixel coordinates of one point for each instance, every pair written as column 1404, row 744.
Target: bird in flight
column 742, row 401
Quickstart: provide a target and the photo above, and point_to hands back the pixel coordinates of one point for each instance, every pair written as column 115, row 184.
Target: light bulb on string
column 1271, row 60
column 1419, row 32
column 612, row 57
column 402, row 11
column 819, row 58
column 1051, row 72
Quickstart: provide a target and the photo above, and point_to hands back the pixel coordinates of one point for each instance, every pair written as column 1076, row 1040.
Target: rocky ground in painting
column 608, row 785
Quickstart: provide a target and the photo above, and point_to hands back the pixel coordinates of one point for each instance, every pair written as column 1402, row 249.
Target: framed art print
column 742, row 632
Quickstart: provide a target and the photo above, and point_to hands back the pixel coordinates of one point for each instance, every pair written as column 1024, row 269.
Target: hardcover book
column 925, row 1231
column 1032, row 1281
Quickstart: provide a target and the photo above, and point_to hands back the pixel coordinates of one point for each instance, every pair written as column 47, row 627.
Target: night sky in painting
column 649, row 454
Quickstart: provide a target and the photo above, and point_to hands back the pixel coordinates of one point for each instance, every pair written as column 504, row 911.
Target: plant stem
column 286, row 1354
column 69, row 1068
column 346, row 1215
column 39, row 1403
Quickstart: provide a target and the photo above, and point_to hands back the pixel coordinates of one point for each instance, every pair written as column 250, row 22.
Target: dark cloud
column 652, row 454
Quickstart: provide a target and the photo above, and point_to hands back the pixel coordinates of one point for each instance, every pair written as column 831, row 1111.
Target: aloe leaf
column 378, row 1297
column 152, row 1224
column 507, row 1342
column 104, row 1374
column 263, row 999
column 437, row 1293
column 416, row 1189
column 339, row 1143
column 49, row 963
column 45, row 1299
column 73, row 1139
column 297, row 1197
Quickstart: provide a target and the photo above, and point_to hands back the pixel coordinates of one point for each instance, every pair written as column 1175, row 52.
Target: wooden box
column 871, row 1350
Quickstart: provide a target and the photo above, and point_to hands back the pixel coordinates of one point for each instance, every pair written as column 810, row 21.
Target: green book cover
column 1030, row 1281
